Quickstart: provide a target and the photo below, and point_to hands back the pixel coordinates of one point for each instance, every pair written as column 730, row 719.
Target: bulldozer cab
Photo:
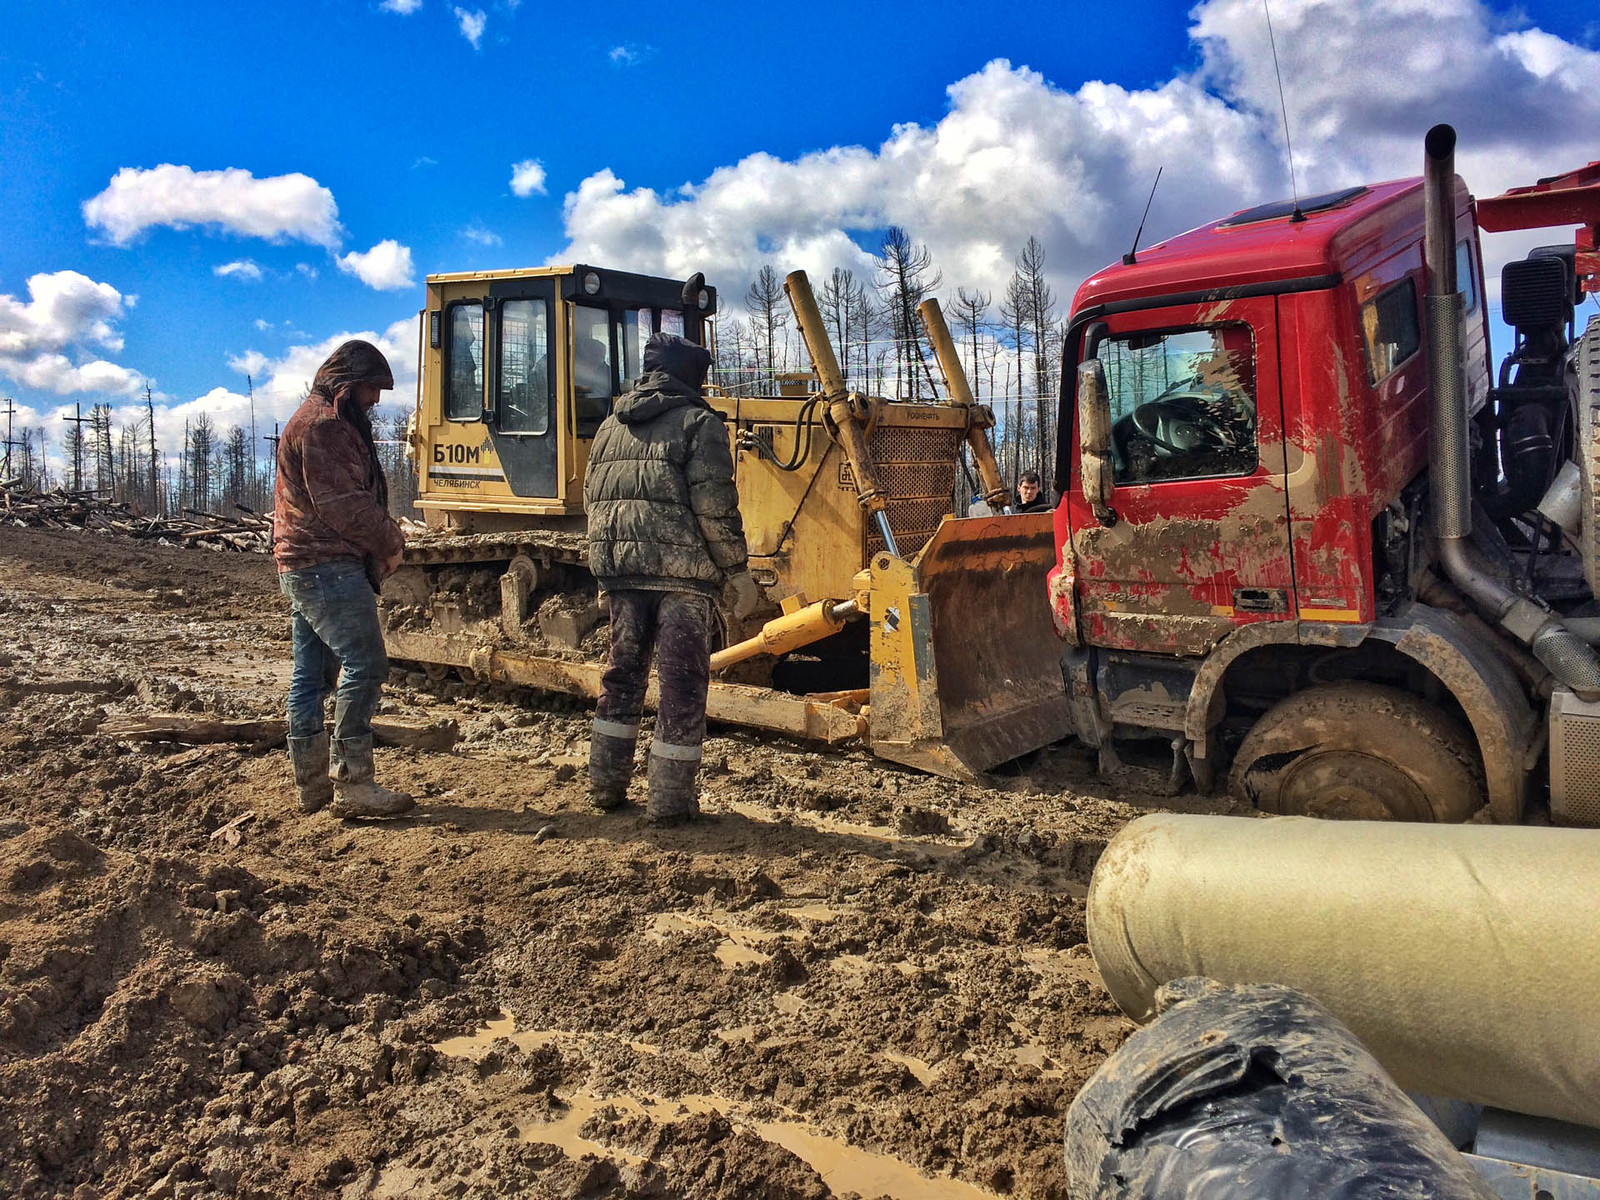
column 518, row 370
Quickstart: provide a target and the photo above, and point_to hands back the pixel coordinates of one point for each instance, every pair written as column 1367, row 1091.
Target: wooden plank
column 193, row 731
column 735, row 704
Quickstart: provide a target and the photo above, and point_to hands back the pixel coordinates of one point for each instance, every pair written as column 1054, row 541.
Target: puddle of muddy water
column 820, row 913
column 843, row 1167
column 738, row 946
column 476, row 1044
column 832, row 824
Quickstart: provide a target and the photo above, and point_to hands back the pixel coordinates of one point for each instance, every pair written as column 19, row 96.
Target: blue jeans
column 335, row 624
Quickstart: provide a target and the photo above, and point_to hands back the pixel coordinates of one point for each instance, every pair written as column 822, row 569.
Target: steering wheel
column 1155, row 420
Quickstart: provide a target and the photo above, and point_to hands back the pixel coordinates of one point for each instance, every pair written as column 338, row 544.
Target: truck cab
column 1245, row 518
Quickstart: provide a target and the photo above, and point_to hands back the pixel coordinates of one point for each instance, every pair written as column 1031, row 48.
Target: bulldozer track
column 550, row 546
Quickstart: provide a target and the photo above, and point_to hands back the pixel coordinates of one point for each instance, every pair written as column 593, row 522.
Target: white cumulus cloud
column 386, row 267
column 277, row 208
column 52, row 342
column 527, row 178
column 1014, row 155
column 281, row 381
column 471, row 23
column 630, row 54
column 404, row 7
column 479, row 236
column 242, row 268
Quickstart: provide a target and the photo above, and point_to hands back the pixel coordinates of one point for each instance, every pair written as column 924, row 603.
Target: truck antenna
column 1283, row 107
column 1129, row 258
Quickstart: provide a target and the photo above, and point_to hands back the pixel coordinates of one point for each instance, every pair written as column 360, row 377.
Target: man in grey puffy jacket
column 665, row 540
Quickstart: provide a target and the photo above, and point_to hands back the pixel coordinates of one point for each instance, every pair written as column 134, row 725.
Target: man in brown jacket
column 334, row 542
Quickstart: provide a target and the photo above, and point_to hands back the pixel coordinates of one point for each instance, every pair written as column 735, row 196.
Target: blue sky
column 394, row 129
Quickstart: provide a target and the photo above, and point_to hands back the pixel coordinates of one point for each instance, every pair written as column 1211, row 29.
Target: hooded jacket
column 662, row 508
column 329, row 499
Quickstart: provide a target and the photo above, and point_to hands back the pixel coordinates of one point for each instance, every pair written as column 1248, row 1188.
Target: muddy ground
column 852, row 979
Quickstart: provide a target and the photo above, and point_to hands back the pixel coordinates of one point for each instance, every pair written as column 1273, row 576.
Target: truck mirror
column 1094, row 439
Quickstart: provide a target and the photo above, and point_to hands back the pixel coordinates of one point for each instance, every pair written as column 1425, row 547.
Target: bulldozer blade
column 965, row 658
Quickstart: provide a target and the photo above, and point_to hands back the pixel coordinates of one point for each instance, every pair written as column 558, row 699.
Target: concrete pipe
column 1466, row 957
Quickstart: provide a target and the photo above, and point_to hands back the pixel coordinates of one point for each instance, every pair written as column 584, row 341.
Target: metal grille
column 918, row 471
column 1574, row 760
column 1580, row 748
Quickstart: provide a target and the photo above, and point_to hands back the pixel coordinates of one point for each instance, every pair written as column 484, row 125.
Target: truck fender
column 1465, row 660
column 1470, row 665
column 1206, row 698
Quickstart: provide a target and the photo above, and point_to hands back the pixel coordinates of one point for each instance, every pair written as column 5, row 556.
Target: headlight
column 703, row 299
column 591, row 284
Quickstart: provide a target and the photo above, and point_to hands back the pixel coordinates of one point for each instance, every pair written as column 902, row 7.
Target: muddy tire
column 1359, row 751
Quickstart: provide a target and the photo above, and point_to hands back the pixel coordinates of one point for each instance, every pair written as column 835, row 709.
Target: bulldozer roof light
column 591, row 283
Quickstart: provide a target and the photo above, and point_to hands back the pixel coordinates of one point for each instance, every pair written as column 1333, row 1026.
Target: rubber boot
column 355, row 794
column 672, row 792
column 610, row 765
column 309, row 757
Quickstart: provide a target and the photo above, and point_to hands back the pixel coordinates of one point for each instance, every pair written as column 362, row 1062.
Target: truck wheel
column 1359, row 751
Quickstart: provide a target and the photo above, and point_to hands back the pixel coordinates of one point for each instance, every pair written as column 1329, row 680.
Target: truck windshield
column 1183, row 403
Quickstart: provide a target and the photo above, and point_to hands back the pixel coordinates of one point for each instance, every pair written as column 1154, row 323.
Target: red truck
column 1309, row 546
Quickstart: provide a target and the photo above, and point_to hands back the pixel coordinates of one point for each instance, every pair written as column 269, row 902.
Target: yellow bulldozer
column 887, row 618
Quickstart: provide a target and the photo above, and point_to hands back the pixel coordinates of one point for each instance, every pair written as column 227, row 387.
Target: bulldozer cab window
column 1390, row 329
column 1183, row 403
column 523, row 403
column 463, row 400
column 592, row 377
column 637, row 326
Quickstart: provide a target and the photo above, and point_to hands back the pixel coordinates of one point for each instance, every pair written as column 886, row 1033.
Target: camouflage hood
column 656, row 392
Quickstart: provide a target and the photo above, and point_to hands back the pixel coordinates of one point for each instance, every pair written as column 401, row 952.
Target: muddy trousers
column 337, row 641
column 674, row 628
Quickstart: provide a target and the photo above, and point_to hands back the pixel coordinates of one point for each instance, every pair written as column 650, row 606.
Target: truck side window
column 1183, row 403
column 1390, row 329
column 463, row 398
column 1466, row 277
column 524, row 401
column 591, row 367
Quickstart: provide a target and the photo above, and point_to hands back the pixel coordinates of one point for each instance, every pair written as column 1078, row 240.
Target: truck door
column 1197, row 540
column 521, row 384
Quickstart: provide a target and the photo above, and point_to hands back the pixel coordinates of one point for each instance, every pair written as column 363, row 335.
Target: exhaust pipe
column 1564, row 654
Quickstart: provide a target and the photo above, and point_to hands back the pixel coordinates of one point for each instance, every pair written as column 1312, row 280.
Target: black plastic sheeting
column 1253, row 1091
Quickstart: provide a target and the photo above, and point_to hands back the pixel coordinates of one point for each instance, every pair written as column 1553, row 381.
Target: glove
column 743, row 593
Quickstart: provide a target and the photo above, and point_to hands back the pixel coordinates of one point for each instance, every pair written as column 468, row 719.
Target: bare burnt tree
column 1014, row 317
column 1040, row 303
column 731, row 367
column 201, row 441
column 970, row 309
column 848, row 313
column 105, row 475
column 236, row 468
column 769, row 319
column 906, row 275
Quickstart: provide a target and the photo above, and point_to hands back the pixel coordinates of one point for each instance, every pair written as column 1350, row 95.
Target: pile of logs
column 245, row 530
